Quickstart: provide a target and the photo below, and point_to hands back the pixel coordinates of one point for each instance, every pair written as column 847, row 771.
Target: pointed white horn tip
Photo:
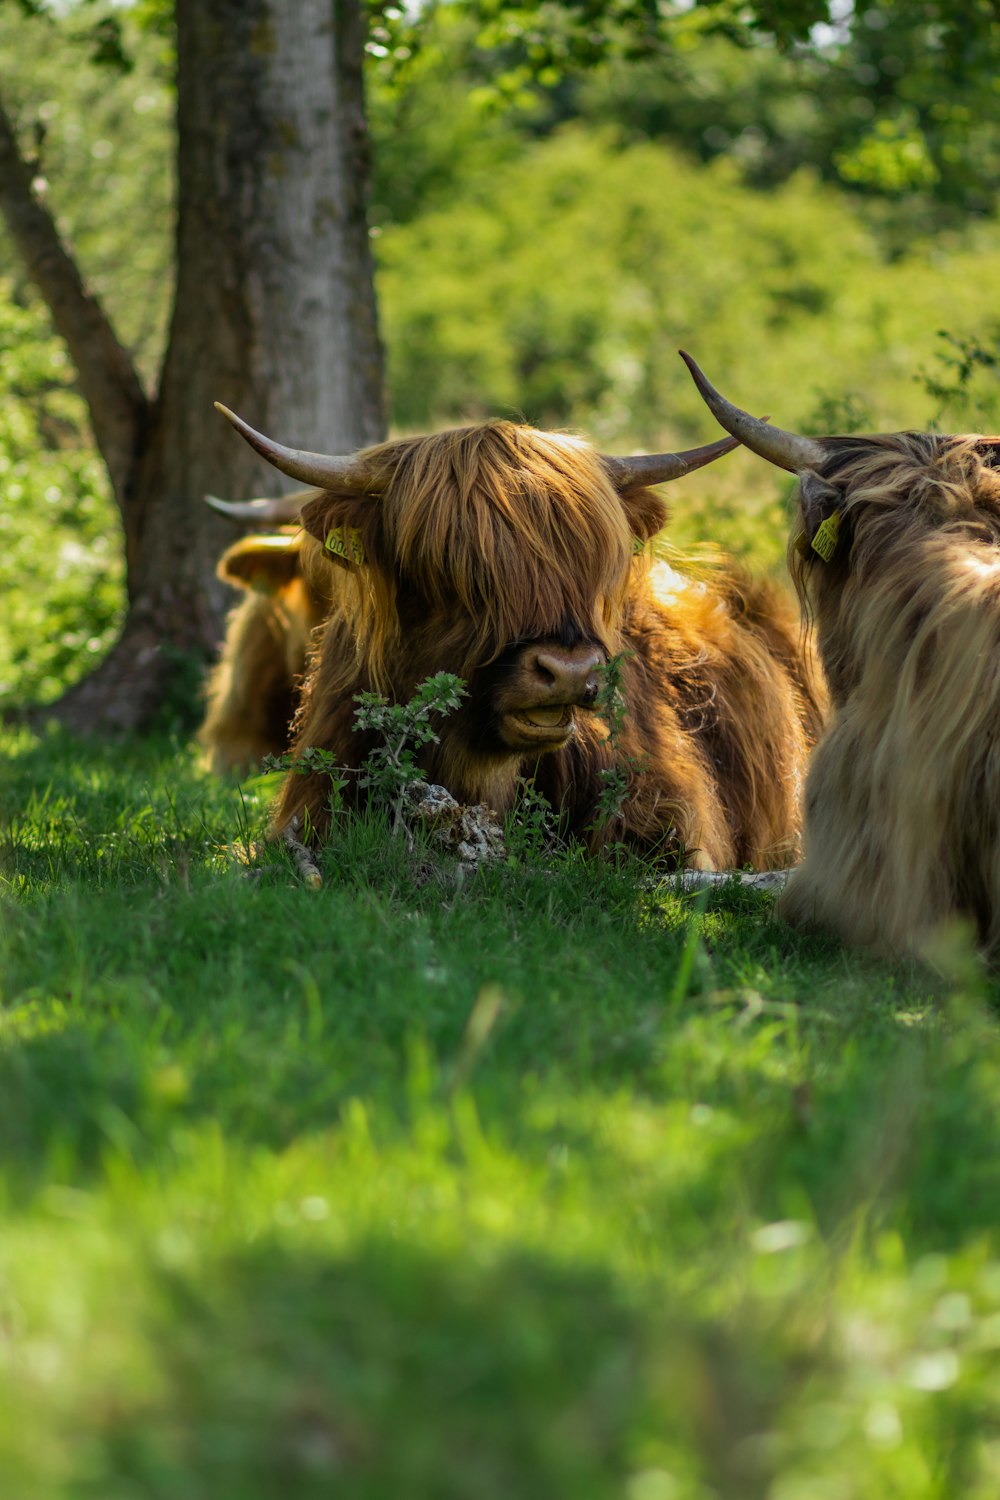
column 243, row 428
column 265, row 446
column 280, row 510
column 319, row 469
column 233, row 510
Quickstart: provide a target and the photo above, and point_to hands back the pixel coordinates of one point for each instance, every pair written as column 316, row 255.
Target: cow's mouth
column 545, row 724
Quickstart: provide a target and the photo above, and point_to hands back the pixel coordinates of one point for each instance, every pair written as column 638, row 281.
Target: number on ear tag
column 824, row 543
column 346, row 543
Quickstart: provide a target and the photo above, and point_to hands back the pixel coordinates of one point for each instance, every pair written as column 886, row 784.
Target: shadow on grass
column 393, row 1372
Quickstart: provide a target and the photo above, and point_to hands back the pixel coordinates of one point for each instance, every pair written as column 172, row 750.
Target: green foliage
column 535, row 297
column 60, row 568
column 845, row 412
column 551, row 1183
column 540, row 271
column 616, row 779
column 897, row 100
column 893, row 159
column 436, row 137
column 894, row 105
column 402, row 730
column 926, row 72
column 963, row 381
column 516, row 46
column 103, row 152
column 531, row 832
column 100, row 143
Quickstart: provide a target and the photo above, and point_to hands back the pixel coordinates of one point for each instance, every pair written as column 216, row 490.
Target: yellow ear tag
column 346, row 543
column 637, row 545
column 824, row 543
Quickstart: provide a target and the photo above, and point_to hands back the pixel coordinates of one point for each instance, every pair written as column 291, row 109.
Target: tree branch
column 108, row 380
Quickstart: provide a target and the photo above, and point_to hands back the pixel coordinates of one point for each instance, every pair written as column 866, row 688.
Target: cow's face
column 529, row 697
column 501, row 554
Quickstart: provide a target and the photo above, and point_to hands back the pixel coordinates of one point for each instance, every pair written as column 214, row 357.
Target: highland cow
column 518, row 560
column 895, row 554
column 253, row 690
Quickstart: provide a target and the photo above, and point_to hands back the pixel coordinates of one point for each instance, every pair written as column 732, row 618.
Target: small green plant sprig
column 532, row 828
column 611, row 706
column 390, row 769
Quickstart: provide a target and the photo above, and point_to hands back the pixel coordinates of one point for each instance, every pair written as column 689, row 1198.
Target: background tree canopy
column 562, row 195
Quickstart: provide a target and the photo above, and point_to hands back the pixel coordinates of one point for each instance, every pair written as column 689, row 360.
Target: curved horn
column 324, row 469
column 279, row 511
column 785, row 449
column 658, row 468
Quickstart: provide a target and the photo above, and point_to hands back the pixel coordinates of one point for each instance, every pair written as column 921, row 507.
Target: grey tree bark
column 274, row 315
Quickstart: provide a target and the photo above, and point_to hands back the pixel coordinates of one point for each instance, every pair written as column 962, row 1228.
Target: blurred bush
column 101, row 146
column 561, row 286
column 61, row 573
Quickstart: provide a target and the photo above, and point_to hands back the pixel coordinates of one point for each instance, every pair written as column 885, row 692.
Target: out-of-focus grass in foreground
column 547, row 1182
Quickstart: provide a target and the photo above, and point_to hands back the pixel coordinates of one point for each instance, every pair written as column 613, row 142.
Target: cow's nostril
column 571, row 673
column 543, row 666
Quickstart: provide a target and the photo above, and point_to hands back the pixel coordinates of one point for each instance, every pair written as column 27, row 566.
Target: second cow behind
column 517, row 560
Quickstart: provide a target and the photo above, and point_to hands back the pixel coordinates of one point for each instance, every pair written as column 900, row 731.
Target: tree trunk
column 274, row 315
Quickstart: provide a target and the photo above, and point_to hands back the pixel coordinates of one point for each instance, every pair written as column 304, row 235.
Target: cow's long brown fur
column 488, row 536
column 722, row 712
column 253, row 690
column 903, row 798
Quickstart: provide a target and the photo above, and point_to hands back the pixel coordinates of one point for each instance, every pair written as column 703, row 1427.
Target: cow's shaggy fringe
column 520, row 557
column 903, row 798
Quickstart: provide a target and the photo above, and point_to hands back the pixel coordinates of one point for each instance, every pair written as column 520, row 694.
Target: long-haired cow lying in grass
column 896, row 555
column 516, row 559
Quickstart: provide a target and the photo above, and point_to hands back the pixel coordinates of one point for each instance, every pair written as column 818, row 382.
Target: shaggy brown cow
column 517, row 560
column 253, row 691
column 896, row 555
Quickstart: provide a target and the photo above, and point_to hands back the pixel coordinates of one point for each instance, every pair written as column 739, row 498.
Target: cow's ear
column 647, row 513
column 819, row 506
column 263, row 564
column 348, row 526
